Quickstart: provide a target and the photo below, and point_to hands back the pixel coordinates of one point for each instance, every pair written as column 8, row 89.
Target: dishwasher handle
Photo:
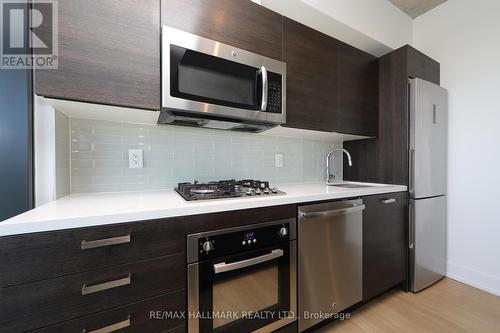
column 330, row 213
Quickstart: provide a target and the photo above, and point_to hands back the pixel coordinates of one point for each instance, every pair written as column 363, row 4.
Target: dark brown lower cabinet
column 47, row 302
column 38, row 256
column 144, row 316
column 384, row 243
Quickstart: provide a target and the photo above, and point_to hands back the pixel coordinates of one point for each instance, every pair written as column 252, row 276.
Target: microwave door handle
column 265, row 86
column 223, row 267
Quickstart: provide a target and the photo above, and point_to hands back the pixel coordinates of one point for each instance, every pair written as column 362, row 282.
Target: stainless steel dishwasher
column 330, row 259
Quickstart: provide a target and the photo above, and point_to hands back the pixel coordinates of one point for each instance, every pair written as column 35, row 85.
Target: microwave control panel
column 275, row 94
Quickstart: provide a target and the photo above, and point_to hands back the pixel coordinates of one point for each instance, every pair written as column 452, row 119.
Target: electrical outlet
column 279, row 160
column 135, row 158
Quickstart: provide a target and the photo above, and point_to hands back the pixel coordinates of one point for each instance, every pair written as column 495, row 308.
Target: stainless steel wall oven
column 242, row 279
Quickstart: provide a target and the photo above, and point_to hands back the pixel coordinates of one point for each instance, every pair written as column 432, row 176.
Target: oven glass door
column 205, row 78
column 246, row 292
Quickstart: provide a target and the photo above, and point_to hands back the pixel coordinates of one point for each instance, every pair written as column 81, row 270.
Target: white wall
column 45, row 161
column 374, row 26
column 377, row 19
column 62, row 154
column 464, row 36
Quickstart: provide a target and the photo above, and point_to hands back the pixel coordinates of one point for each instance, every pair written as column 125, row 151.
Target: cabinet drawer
column 31, row 257
column 130, row 318
column 47, row 302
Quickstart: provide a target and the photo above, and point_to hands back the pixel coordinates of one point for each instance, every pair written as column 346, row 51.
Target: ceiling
column 414, row 8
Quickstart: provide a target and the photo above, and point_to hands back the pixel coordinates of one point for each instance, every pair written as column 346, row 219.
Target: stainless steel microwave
column 206, row 83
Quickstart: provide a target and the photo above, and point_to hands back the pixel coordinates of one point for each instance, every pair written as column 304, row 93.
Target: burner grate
column 225, row 189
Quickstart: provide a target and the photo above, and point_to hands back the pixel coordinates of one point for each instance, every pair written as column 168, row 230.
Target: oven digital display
column 250, row 235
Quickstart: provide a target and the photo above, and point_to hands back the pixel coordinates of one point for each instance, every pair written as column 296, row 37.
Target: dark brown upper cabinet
column 421, row 66
column 312, row 77
column 109, row 53
column 357, row 112
column 239, row 23
column 331, row 86
column 389, row 152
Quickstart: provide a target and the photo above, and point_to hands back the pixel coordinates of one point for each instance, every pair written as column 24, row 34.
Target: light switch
column 279, row 160
column 135, row 158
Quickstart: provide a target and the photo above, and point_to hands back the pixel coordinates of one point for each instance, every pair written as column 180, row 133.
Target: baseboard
column 477, row 279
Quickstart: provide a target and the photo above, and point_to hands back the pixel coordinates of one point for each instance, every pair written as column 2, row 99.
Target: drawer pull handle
column 111, row 328
column 388, row 201
column 105, row 242
column 86, row 290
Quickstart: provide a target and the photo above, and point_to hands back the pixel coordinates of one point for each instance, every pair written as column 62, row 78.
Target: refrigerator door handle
column 412, row 172
column 411, row 231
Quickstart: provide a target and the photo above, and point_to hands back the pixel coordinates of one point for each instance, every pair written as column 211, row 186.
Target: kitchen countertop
column 85, row 210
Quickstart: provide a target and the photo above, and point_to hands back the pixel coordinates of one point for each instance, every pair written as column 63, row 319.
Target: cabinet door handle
column 105, row 242
column 111, row 328
column 86, row 290
column 389, row 201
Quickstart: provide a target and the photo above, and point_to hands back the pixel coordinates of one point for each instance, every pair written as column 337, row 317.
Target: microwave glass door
column 204, row 78
column 245, row 299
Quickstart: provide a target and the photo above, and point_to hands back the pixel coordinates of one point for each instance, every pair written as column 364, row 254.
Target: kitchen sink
column 349, row 185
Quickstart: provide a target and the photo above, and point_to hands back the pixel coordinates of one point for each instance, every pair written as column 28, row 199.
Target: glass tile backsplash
column 172, row 154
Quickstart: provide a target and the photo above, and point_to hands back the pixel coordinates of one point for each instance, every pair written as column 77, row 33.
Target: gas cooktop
column 224, row 189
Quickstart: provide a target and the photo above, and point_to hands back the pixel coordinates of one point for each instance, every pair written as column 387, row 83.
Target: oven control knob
column 208, row 246
column 283, row 232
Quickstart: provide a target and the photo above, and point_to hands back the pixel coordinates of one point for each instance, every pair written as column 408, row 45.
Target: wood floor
column 448, row 306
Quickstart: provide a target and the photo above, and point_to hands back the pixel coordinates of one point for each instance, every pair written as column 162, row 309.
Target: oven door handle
column 223, row 267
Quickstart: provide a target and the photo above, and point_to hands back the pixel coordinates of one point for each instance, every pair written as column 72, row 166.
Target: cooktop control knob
column 208, row 246
column 283, row 232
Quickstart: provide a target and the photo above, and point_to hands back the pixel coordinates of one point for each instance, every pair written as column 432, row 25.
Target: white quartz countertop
column 85, row 210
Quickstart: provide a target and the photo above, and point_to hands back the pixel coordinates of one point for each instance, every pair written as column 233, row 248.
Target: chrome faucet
column 328, row 175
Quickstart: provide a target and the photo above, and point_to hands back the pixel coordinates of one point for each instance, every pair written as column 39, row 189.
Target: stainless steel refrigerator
column 427, row 186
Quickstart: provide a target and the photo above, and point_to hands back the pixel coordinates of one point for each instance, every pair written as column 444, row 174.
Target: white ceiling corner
column 415, row 8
